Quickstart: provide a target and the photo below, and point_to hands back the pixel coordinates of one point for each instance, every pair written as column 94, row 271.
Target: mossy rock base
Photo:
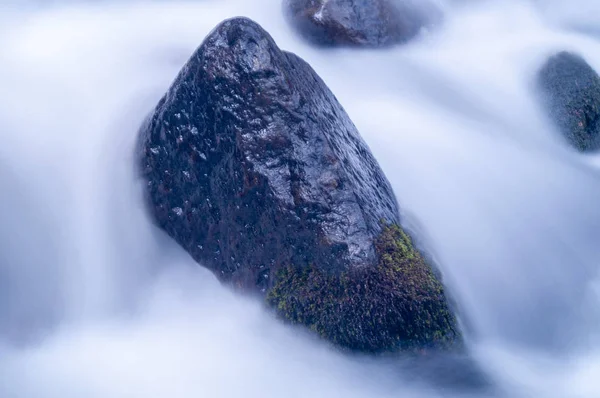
column 399, row 304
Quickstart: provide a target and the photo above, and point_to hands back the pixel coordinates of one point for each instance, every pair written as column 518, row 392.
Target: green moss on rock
column 399, row 304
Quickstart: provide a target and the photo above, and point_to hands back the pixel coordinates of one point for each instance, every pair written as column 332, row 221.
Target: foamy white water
column 95, row 302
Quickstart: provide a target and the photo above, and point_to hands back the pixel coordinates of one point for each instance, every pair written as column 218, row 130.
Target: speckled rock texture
column 571, row 94
column 254, row 167
column 365, row 23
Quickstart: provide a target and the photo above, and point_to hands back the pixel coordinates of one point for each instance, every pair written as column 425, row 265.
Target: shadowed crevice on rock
column 254, row 167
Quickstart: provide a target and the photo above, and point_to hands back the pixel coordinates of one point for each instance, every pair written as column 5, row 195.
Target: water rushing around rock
column 94, row 302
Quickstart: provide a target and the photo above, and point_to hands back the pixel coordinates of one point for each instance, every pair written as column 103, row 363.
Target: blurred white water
column 94, row 302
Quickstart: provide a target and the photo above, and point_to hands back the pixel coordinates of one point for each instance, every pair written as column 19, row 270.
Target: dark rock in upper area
column 571, row 94
column 369, row 23
column 254, row 167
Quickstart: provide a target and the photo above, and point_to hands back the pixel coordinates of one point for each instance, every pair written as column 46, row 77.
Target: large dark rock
column 370, row 23
column 254, row 167
column 571, row 94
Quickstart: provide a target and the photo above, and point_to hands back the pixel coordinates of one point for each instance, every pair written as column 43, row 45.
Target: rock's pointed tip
column 236, row 26
column 235, row 45
column 237, row 21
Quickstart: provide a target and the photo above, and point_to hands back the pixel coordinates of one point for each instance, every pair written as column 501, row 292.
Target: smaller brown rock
column 368, row 23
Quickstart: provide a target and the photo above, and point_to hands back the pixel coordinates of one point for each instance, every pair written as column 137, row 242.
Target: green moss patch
column 399, row 304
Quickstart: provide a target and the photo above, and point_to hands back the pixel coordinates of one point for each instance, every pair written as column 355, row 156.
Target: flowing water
column 96, row 302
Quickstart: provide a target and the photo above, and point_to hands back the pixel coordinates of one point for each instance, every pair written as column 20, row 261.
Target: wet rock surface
column 571, row 94
column 254, row 167
column 368, row 23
